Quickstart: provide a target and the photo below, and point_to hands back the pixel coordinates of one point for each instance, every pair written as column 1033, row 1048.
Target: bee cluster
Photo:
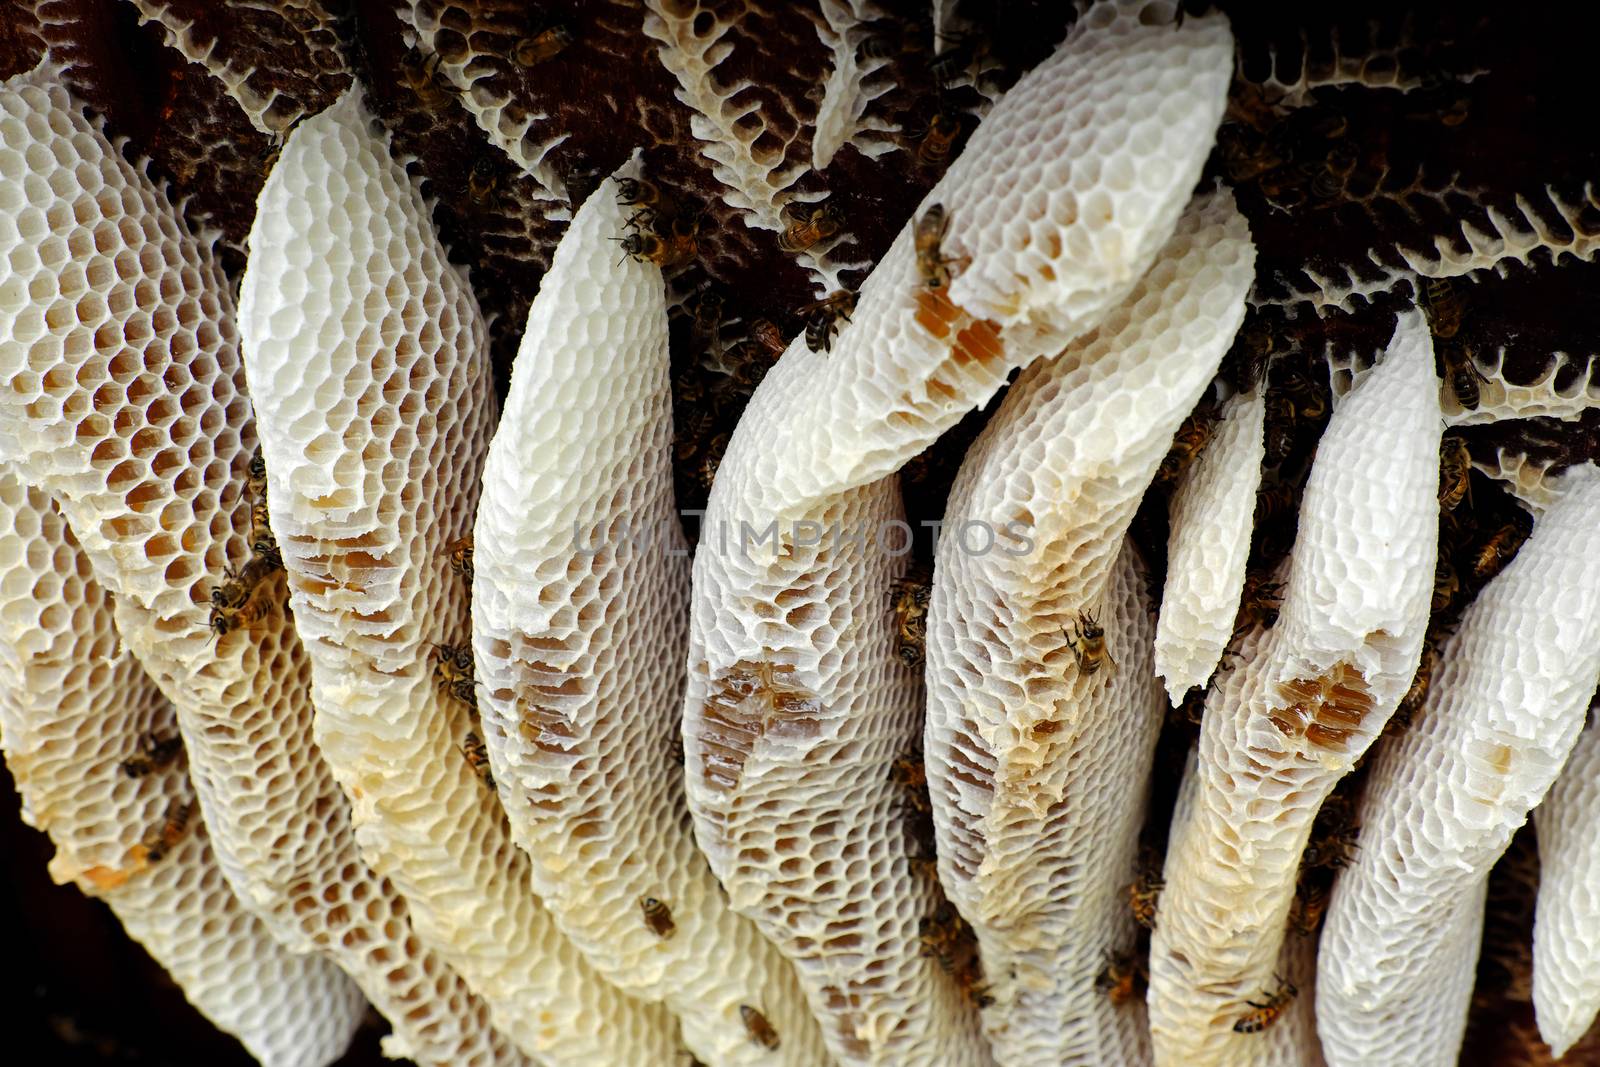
column 245, row 595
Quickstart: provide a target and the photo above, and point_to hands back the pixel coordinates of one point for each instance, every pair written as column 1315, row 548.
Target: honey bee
column 966, row 54
column 674, row 250
column 647, row 197
column 824, row 316
column 1308, row 397
column 911, row 596
column 547, row 42
column 1190, row 440
column 477, row 754
column 255, row 476
column 911, row 775
column 482, row 180
column 898, row 40
column 711, row 460
column 1276, row 503
column 1258, row 603
column 422, row 75
column 1266, row 1012
column 154, row 754
column 1253, row 348
column 1445, row 584
column 940, row 935
column 1497, row 551
column 765, row 333
column 1417, row 692
column 1333, row 845
column 751, row 363
column 454, row 672
column 932, row 263
column 969, row 979
column 1191, row 709
column 166, row 836
column 1144, row 893
column 231, row 610
column 1280, row 428
column 1123, row 978
column 705, row 316
column 801, row 234
column 658, row 917
column 757, row 1027
column 460, row 558
column 262, row 542
column 1462, row 372
column 1306, row 910
column 1249, row 105
column 1088, row 643
column 933, row 144
column 1446, row 306
column 1455, row 470
column 1246, row 155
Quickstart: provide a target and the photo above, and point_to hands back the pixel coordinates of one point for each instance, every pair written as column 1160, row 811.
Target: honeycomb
column 1561, row 391
column 1211, row 514
column 851, row 89
column 271, row 108
column 1303, row 703
column 367, row 358
column 1370, row 149
column 1013, row 835
column 1291, row 1039
column 1566, row 930
column 774, row 697
column 793, row 719
column 75, row 707
column 580, row 623
column 1124, row 112
column 1508, row 700
column 1017, row 730
column 125, row 403
column 456, row 34
column 757, row 166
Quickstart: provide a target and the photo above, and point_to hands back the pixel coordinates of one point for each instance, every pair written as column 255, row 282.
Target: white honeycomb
column 1524, row 238
column 1291, row 1040
column 126, row 403
column 366, row 353
column 1016, row 733
column 693, row 39
column 580, row 624
column 1039, row 873
column 1442, row 800
column 1566, row 929
column 1499, row 398
column 789, row 730
column 1504, row 399
column 1513, row 239
column 74, row 705
column 795, row 713
column 1062, row 198
column 692, row 44
column 1529, row 480
column 519, row 134
column 850, row 89
column 1210, row 518
column 1302, row 704
column 1332, row 67
column 270, row 112
column 796, row 707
